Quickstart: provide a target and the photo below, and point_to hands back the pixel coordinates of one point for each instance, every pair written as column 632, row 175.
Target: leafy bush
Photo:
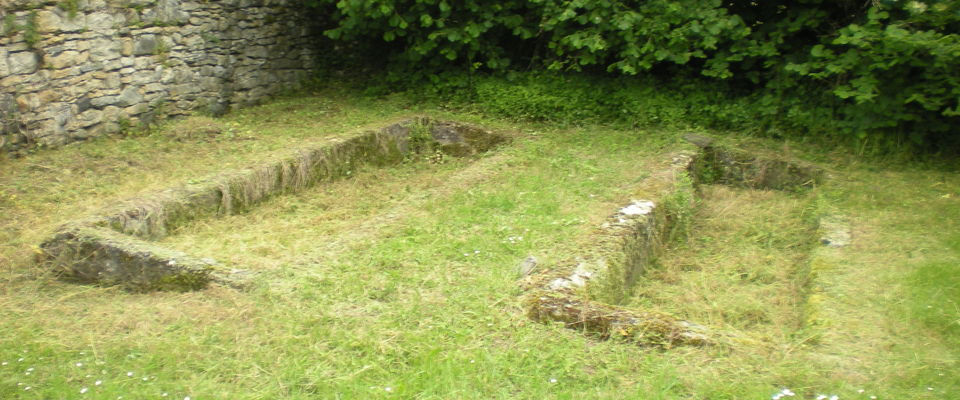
column 884, row 71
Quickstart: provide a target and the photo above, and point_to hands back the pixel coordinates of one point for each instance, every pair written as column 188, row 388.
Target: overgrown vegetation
column 882, row 74
column 401, row 283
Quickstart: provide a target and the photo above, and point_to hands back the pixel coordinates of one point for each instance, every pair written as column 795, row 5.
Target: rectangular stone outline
column 578, row 291
column 114, row 248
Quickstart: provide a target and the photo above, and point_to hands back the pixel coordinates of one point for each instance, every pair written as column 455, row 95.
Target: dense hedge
column 882, row 70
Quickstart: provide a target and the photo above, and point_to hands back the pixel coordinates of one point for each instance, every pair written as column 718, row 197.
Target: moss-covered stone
column 111, row 248
column 102, row 256
column 729, row 166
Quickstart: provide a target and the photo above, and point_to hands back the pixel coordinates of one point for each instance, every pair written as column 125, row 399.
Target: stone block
column 126, row 47
column 89, row 67
column 128, row 97
column 67, row 59
column 103, row 50
column 28, row 102
column 101, row 22
column 90, row 118
column 63, row 73
column 84, row 104
column 143, row 77
column 183, row 89
column 154, row 87
column 103, row 101
column 145, row 45
column 112, row 81
column 48, row 21
column 48, row 96
column 166, row 12
column 24, row 62
column 4, row 65
column 136, row 109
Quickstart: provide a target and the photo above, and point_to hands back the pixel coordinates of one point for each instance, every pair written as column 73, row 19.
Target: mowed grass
column 401, row 282
column 742, row 266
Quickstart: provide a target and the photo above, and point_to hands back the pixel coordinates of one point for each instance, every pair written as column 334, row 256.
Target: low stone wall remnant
column 582, row 292
column 114, row 247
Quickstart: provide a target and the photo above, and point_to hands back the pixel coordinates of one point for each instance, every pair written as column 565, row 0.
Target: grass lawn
column 401, row 282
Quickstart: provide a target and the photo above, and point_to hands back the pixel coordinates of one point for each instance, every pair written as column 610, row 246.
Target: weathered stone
column 216, row 54
column 154, row 87
column 24, row 62
column 67, row 59
column 48, row 21
column 88, row 67
column 9, row 115
column 48, row 96
column 126, row 47
column 56, row 20
column 144, row 77
column 4, row 65
column 68, row 72
column 110, row 80
column 166, row 12
column 101, row 22
column 28, row 102
column 90, row 117
column 105, row 50
column 130, row 96
column 100, row 102
column 136, row 109
column 145, row 45
column 84, row 104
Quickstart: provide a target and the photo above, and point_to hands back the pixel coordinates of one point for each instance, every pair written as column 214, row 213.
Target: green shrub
column 881, row 72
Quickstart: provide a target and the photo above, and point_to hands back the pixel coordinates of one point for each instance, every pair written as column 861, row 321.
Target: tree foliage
column 885, row 68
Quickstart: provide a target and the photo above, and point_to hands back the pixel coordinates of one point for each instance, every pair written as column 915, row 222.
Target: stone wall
column 72, row 69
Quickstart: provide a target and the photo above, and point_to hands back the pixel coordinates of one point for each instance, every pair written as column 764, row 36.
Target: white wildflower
column 79, row 364
column 553, row 380
column 83, row 390
column 27, row 388
column 97, row 383
column 388, row 388
column 129, row 373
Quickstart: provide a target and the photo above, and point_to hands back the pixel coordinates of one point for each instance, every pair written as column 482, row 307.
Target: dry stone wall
column 72, row 69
